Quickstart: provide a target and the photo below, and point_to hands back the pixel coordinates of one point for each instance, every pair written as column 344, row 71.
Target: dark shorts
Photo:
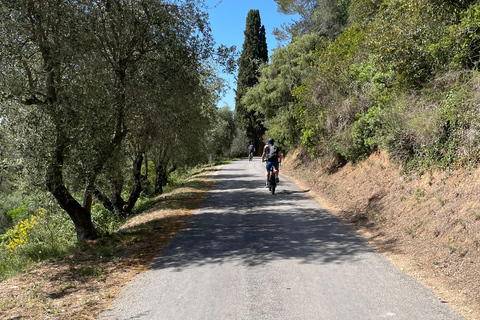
column 270, row 164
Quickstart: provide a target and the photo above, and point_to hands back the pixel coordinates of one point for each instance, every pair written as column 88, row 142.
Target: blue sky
column 228, row 21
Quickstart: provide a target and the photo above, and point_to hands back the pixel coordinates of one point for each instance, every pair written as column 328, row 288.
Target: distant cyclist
column 273, row 156
column 251, row 151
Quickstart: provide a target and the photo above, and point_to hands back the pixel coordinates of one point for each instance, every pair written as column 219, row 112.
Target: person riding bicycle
column 251, row 150
column 273, row 156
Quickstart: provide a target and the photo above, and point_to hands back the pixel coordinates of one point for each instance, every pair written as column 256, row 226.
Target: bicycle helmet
column 271, row 141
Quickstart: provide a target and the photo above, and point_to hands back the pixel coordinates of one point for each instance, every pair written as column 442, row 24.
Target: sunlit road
column 247, row 254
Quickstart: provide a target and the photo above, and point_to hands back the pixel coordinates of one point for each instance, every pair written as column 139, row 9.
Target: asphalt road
column 248, row 254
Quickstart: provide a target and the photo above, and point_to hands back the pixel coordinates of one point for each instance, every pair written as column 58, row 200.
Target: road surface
column 248, row 254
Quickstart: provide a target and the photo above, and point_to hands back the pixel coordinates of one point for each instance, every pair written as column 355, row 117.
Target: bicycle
column 250, row 156
column 272, row 180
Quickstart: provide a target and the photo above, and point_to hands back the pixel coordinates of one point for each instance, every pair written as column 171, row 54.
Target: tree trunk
column 118, row 201
column 54, row 181
column 161, row 176
column 81, row 217
column 137, row 183
column 146, row 182
column 88, row 197
column 104, row 200
column 124, row 207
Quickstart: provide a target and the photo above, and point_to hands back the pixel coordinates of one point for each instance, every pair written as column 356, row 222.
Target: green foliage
column 41, row 236
column 323, row 17
column 10, row 167
column 254, row 54
column 44, row 235
column 464, row 39
column 455, row 118
column 364, row 134
column 309, row 140
column 446, row 135
column 366, row 77
column 79, row 107
column 105, row 221
column 282, row 88
column 394, row 79
column 15, row 207
column 5, row 222
column 17, row 214
column 335, row 60
column 363, row 73
column 239, row 144
column 221, row 135
column 10, row 202
column 408, row 37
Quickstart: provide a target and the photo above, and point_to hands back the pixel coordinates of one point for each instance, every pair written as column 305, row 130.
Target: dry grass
column 429, row 225
column 84, row 284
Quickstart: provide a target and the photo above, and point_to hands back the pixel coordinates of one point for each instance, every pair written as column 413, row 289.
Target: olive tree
column 71, row 74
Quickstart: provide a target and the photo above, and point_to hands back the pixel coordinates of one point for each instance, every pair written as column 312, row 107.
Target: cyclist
column 251, row 150
column 273, row 156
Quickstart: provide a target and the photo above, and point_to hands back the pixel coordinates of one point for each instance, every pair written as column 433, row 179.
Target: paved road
column 247, row 254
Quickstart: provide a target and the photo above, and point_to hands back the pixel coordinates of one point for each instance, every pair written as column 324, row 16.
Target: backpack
column 272, row 154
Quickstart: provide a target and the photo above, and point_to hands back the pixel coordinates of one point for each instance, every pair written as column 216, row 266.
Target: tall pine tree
column 254, row 53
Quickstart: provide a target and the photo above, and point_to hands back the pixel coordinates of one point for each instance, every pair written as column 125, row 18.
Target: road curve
column 247, row 254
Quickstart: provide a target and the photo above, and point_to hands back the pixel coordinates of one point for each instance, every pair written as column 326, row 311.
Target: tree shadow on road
column 253, row 227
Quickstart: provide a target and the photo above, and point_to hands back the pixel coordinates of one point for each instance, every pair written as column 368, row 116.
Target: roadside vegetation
column 66, row 279
column 365, row 76
column 43, row 234
column 95, row 96
column 104, row 106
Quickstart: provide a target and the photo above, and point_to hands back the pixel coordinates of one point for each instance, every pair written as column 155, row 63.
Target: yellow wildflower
column 19, row 234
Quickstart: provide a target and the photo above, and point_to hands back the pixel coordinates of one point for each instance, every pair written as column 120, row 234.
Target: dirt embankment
column 428, row 225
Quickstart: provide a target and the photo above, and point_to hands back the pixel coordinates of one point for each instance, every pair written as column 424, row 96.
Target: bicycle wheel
column 273, row 183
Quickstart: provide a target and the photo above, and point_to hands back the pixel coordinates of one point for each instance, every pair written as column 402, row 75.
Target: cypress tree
column 254, row 53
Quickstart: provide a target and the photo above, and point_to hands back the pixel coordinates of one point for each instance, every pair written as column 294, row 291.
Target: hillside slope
column 428, row 225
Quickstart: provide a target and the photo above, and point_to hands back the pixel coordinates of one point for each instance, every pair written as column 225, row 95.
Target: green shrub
column 6, row 222
column 105, row 221
column 41, row 236
column 455, row 118
column 362, row 73
column 15, row 207
column 11, row 202
column 364, row 134
column 239, row 144
column 464, row 39
column 404, row 36
column 18, row 213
